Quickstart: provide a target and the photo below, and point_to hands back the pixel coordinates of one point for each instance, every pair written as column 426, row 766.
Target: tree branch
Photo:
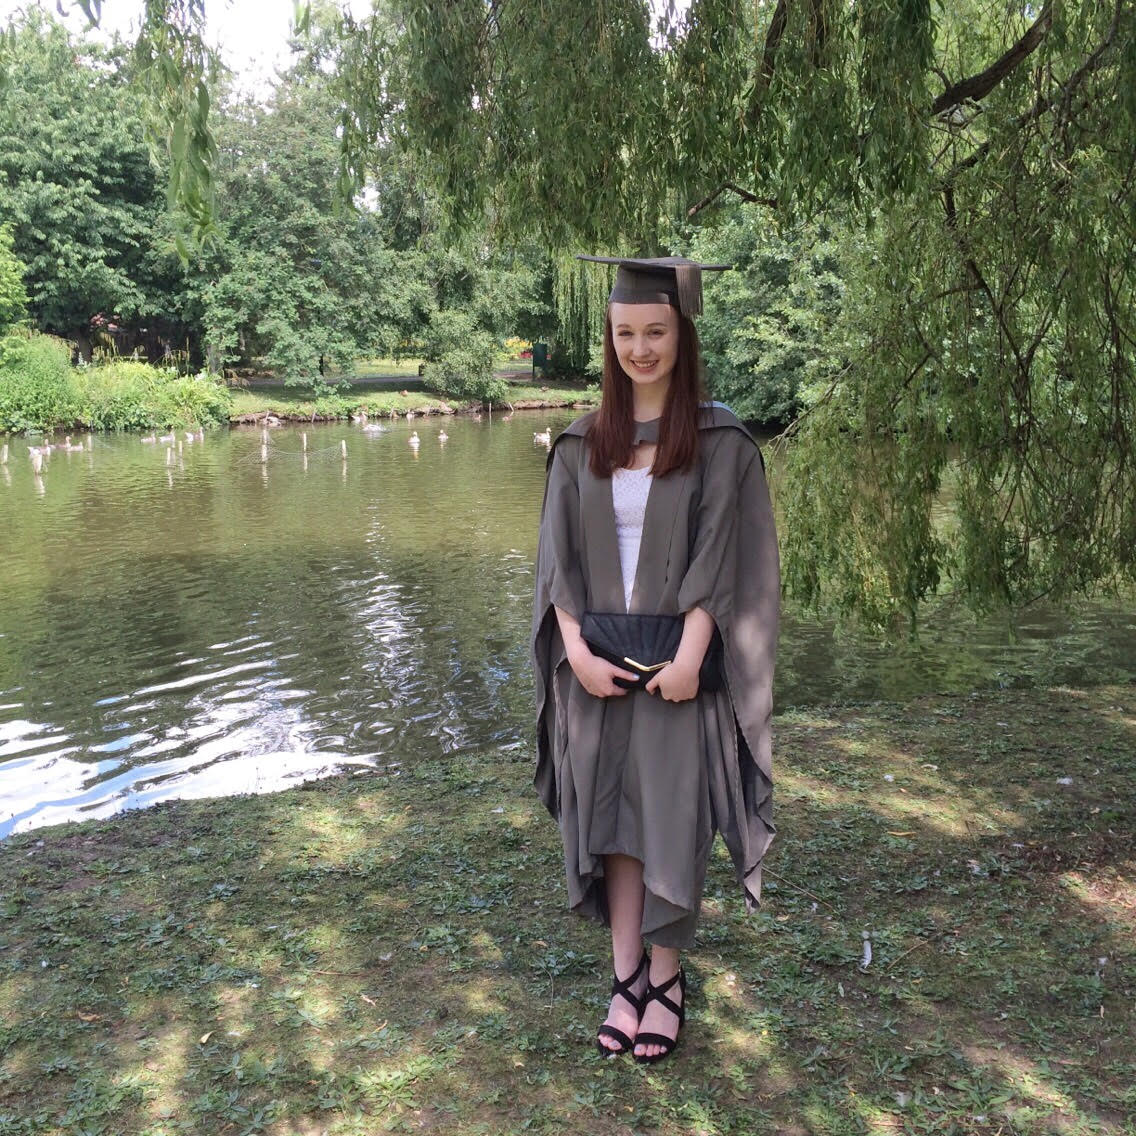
column 729, row 187
column 978, row 86
column 1046, row 102
column 768, row 61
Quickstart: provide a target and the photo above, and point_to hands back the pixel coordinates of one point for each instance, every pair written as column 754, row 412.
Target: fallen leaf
column 88, row 1017
column 205, row 1037
column 890, row 833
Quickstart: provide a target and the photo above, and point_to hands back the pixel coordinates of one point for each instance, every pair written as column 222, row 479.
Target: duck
column 443, row 436
column 149, row 440
column 374, row 428
column 170, row 437
column 414, row 440
column 191, row 435
column 544, row 437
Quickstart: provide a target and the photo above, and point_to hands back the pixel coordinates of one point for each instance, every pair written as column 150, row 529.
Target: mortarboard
column 673, row 280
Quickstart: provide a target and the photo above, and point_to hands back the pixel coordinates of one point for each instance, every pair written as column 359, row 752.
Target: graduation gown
column 636, row 774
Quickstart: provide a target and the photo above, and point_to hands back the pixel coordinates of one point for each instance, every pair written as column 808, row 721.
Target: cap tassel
column 689, row 278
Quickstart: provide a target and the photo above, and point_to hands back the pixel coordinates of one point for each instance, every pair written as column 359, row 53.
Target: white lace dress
column 629, row 490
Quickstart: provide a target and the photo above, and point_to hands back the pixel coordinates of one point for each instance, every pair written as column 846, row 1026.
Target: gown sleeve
column 734, row 574
column 559, row 583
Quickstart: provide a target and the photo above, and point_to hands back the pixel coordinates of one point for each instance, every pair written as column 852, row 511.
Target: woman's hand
column 676, row 682
column 597, row 676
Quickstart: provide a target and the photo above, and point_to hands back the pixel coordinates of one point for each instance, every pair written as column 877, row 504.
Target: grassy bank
column 388, row 952
column 41, row 391
column 387, row 401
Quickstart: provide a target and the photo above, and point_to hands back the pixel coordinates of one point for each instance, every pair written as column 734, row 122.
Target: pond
column 224, row 624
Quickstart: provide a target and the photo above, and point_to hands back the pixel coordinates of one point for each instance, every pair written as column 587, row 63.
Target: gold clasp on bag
column 643, row 666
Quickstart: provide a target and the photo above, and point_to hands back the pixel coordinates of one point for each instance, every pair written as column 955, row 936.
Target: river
column 224, row 624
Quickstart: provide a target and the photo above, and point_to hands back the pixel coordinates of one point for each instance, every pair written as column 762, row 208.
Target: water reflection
column 256, row 610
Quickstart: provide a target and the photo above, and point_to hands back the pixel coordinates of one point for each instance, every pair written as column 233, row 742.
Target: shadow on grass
column 390, row 953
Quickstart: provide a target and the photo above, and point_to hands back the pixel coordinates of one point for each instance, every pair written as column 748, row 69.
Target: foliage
column 13, row 295
column 983, row 171
column 461, row 356
column 291, row 282
column 76, row 183
column 768, row 332
column 37, row 386
column 125, row 394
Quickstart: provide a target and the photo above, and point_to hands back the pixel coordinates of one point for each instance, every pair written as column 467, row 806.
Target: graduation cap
column 673, row 280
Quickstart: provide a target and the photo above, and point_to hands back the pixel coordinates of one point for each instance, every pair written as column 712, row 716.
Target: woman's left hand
column 676, row 682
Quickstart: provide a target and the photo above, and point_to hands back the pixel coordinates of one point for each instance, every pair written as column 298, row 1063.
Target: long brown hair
column 611, row 438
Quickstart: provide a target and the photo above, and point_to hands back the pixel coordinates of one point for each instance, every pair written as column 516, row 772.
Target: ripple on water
column 220, row 626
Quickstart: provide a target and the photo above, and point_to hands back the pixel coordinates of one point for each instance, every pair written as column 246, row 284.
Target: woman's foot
column 617, row 1034
column 664, row 1011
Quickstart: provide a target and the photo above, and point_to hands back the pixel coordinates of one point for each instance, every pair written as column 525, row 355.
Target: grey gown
column 636, row 774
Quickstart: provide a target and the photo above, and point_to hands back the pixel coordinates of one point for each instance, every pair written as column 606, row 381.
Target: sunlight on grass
column 378, row 954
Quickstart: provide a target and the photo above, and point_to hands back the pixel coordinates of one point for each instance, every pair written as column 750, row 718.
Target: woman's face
column 646, row 341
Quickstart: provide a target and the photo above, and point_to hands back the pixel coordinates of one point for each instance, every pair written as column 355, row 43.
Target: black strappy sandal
column 659, row 994
column 623, row 989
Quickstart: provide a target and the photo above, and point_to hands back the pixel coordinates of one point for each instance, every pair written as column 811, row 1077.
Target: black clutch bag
column 645, row 644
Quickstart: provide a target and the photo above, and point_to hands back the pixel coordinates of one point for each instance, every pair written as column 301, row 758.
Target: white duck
column 414, row 440
column 443, row 436
column 544, row 437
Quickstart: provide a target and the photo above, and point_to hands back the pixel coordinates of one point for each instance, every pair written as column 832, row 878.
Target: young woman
column 655, row 505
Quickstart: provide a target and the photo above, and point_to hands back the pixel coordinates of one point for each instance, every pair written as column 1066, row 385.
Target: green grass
column 389, row 952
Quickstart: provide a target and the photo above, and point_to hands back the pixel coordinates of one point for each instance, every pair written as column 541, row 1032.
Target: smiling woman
column 640, row 784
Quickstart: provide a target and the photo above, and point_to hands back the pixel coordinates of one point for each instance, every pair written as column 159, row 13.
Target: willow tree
column 986, row 150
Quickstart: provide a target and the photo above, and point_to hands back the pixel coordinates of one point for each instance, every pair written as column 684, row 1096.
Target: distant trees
column 289, row 278
column 77, row 187
column 13, row 294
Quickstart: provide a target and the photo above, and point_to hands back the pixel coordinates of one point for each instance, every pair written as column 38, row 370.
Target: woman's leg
column 656, row 1017
column 623, row 879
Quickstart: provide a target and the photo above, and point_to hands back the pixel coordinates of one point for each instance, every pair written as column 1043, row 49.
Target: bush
column 461, row 359
column 125, row 394
column 37, row 385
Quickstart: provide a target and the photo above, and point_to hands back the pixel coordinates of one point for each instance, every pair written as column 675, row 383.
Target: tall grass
column 37, row 384
column 124, row 394
column 40, row 390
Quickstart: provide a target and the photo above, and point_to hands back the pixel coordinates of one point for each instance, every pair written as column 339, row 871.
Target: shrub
column 125, row 394
column 462, row 356
column 37, row 385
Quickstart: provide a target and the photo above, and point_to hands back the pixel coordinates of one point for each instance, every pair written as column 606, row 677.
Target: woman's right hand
column 597, row 676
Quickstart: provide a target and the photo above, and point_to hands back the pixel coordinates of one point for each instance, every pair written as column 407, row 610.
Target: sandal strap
column 659, row 994
column 622, row 987
column 616, row 1035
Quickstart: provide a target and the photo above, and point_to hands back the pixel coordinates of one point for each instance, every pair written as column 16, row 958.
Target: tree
column 290, row 280
column 13, row 296
column 768, row 332
column 986, row 336
column 77, row 185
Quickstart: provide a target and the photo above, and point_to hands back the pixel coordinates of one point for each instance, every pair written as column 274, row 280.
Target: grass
column 389, row 952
